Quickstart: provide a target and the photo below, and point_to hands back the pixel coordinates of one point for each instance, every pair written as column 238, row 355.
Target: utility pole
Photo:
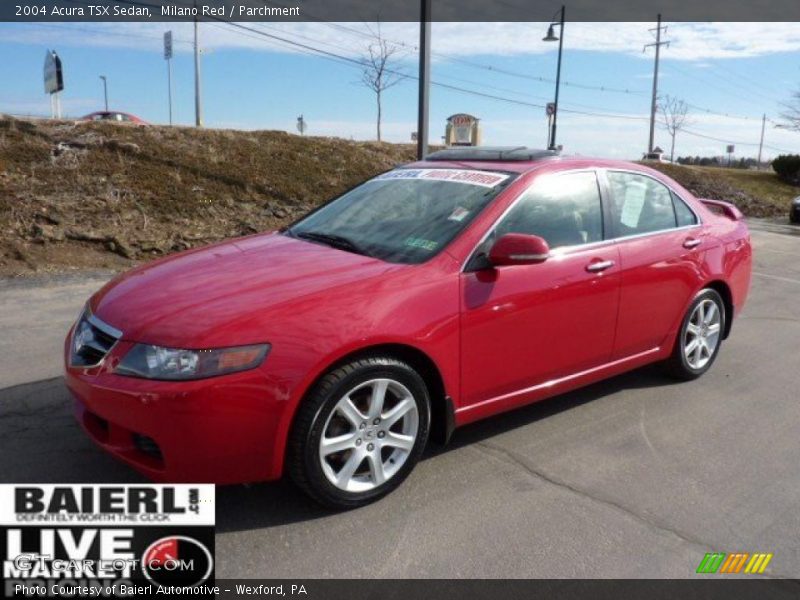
column 198, row 106
column 761, row 143
column 424, row 78
column 654, row 105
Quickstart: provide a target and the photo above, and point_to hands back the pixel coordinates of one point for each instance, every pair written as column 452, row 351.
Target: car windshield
column 403, row 216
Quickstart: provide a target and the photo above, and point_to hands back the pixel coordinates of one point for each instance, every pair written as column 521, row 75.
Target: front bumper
column 226, row 429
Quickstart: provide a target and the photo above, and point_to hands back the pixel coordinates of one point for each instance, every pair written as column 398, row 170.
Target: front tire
column 359, row 432
column 700, row 337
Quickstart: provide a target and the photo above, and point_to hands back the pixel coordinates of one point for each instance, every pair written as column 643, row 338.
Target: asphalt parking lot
column 637, row 476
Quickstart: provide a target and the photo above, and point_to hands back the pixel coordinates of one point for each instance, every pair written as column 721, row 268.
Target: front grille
column 147, row 445
column 91, row 341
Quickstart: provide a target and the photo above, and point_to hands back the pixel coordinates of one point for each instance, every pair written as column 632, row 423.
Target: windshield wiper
column 331, row 239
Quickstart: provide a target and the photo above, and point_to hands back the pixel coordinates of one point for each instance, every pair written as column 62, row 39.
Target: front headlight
column 155, row 362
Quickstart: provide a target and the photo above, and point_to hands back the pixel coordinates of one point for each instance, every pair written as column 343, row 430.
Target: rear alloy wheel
column 700, row 336
column 360, row 432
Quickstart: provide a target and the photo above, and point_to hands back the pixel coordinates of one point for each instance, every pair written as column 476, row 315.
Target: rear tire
column 700, row 337
column 359, row 432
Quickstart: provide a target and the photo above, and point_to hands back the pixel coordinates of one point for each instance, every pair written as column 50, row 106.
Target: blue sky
column 251, row 82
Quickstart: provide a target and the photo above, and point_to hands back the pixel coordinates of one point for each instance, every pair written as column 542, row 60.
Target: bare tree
column 377, row 71
column 792, row 113
column 674, row 114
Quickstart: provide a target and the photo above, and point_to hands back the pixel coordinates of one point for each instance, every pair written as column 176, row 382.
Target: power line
column 750, row 82
column 721, row 114
column 450, row 77
column 109, row 32
column 731, row 87
column 477, row 65
column 309, row 50
column 727, row 141
column 470, row 82
column 360, row 64
column 756, row 90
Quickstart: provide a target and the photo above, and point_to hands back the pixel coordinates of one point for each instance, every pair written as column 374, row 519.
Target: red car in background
column 433, row 295
column 113, row 115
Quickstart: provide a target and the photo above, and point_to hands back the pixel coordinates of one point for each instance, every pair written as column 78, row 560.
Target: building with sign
column 462, row 130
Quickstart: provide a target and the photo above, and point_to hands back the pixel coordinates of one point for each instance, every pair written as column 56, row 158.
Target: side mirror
column 518, row 249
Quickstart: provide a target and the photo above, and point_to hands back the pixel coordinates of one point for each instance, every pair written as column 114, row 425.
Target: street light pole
column 168, row 57
column 551, row 37
column 105, row 90
column 169, row 88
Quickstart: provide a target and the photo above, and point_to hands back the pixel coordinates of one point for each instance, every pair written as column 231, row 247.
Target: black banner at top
column 397, row 10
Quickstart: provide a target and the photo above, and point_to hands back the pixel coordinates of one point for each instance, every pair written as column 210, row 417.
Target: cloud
column 695, row 42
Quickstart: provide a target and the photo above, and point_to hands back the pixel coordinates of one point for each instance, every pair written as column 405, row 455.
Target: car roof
column 493, row 153
column 111, row 112
column 516, row 159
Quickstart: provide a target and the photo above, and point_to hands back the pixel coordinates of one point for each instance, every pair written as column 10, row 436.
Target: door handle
column 692, row 243
column 596, row 267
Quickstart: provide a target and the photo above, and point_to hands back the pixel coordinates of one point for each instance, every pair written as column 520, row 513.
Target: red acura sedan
column 114, row 115
column 428, row 297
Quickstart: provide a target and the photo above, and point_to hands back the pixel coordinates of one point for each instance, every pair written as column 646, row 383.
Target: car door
column 526, row 325
column 661, row 243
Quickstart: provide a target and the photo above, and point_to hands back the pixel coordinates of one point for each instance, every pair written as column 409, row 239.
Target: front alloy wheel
column 369, row 435
column 359, row 432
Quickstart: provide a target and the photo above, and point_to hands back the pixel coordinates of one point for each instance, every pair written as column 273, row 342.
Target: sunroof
column 499, row 153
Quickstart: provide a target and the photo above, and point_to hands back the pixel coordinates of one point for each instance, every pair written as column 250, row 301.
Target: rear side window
column 640, row 204
column 683, row 213
column 563, row 209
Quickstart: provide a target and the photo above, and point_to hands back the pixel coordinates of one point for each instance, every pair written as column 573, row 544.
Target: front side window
column 403, row 216
column 640, row 204
column 565, row 210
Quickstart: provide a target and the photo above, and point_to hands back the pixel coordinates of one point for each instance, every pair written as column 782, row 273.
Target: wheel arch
column 442, row 408
column 724, row 290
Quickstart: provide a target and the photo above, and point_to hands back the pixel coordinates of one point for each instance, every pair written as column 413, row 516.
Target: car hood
column 218, row 295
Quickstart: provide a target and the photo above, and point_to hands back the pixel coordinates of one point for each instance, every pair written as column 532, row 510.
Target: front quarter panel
column 417, row 307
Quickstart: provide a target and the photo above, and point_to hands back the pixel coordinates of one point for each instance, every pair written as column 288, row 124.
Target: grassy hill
column 756, row 193
column 104, row 195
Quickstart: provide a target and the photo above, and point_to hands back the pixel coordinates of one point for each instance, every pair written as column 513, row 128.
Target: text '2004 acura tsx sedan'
column 430, row 296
